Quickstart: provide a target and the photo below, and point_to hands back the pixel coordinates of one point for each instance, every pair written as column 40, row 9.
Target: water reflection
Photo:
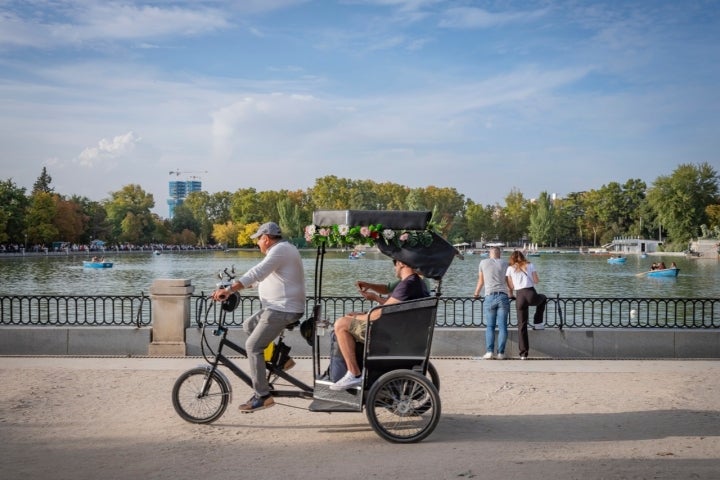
column 567, row 275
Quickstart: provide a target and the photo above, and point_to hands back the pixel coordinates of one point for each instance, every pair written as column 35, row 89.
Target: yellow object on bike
column 268, row 352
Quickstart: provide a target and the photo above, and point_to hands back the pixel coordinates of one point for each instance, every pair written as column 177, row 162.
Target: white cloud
column 84, row 22
column 467, row 17
column 108, row 149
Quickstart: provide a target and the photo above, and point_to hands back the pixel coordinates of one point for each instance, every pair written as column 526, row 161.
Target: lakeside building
column 179, row 190
column 635, row 245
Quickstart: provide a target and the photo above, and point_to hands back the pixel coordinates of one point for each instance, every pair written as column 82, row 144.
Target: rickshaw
column 399, row 391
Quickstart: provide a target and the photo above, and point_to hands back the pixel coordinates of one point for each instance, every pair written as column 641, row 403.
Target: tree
column 39, row 219
column 183, row 219
column 516, row 216
column 218, row 207
column 331, row 193
column 569, row 216
column 42, row 184
column 226, row 233
column 198, row 204
column 244, row 206
column 479, row 222
column 290, row 220
column 680, row 200
column 128, row 212
column 13, row 204
column 70, row 221
column 244, row 233
column 542, row 221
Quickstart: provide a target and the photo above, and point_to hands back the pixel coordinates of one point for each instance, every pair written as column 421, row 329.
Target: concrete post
column 171, row 316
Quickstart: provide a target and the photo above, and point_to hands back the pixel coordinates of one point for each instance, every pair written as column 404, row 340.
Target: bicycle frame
column 305, row 391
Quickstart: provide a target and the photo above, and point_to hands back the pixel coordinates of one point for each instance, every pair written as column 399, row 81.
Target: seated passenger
column 352, row 327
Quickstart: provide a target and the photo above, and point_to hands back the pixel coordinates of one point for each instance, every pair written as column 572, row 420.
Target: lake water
column 564, row 274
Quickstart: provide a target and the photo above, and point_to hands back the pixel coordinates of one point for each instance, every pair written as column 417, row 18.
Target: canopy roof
column 431, row 257
column 393, row 219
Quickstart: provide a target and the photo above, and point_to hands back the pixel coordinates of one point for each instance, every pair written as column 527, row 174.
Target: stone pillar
column 170, row 316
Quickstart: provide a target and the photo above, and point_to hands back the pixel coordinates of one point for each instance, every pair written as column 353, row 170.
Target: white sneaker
column 536, row 326
column 347, row 381
column 500, row 356
column 488, row 356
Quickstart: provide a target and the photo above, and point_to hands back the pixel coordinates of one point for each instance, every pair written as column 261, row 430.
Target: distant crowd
column 14, row 248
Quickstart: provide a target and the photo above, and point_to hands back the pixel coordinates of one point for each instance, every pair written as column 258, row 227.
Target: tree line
column 675, row 208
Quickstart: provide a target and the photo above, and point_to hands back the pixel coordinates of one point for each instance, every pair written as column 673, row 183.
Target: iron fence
column 75, row 310
column 457, row 312
column 460, row 312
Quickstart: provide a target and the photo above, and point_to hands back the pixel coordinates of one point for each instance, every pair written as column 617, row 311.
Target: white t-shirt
column 520, row 278
column 280, row 279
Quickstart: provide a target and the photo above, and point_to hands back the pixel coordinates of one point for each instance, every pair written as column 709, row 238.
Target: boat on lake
column 97, row 264
column 665, row 272
column 617, row 260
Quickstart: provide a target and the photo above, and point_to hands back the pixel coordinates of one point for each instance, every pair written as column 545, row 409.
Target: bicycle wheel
column 432, row 373
column 199, row 397
column 434, row 376
column 403, row 406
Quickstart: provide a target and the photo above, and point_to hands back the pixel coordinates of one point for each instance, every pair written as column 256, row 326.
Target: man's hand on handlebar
column 220, row 295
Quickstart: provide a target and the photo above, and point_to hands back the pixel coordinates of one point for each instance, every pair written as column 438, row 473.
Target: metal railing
column 457, row 312
column 71, row 310
column 460, row 312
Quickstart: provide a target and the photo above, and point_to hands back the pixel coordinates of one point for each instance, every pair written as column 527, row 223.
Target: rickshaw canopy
column 407, row 236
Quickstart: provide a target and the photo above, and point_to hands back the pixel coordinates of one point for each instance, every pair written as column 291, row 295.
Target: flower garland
column 342, row 235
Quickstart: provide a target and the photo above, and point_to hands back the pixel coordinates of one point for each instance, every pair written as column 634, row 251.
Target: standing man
column 496, row 305
column 280, row 279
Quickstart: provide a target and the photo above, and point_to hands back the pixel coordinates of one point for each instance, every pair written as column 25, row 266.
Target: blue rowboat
column 89, row 264
column 666, row 272
column 617, row 260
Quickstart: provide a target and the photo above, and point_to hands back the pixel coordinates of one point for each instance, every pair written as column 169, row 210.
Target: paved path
column 112, row 418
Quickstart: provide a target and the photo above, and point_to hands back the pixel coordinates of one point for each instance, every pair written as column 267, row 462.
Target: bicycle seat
column 290, row 326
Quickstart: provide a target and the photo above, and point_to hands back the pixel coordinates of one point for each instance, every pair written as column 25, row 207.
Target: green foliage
column 13, row 204
column 674, row 208
column 42, row 184
column 680, row 200
column 39, row 219
column 542, row 221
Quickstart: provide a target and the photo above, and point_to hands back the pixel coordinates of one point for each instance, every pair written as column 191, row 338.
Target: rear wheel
column 433, row 374
column 199, row 396
column 403, row 406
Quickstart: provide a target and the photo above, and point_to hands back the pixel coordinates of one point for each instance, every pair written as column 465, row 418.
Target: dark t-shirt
column 410, row 288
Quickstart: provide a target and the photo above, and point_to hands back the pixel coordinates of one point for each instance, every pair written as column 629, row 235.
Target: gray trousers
column 262, row 328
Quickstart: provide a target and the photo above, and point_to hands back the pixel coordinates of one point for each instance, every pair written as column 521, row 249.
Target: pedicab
column 399, row 390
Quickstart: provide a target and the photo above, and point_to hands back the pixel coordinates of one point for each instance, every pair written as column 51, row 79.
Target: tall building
column 179, row 190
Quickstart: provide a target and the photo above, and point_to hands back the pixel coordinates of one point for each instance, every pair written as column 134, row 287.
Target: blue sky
column 481, row 96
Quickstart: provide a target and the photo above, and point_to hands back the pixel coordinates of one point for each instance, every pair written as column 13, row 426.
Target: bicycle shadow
column 579, row 427
column 568, row 427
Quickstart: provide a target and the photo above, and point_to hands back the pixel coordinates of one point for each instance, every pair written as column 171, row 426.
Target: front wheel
column 199, row 396
column 403, row 406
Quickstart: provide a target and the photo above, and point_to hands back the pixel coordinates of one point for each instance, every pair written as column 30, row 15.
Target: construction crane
column 177, row 172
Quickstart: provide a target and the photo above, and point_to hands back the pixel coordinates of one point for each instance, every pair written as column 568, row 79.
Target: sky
column 480, row 96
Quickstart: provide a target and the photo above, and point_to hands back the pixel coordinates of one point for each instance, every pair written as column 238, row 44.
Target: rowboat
column 665, row 272
column 91, row 264
column 617, row 260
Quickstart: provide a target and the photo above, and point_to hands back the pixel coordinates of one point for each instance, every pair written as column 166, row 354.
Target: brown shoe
column 257, row 403
column 289, row 364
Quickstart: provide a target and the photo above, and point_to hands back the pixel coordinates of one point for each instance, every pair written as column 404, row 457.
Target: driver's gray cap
column 269, row 228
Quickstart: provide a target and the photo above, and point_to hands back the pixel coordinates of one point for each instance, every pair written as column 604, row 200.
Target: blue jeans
column 496, row 308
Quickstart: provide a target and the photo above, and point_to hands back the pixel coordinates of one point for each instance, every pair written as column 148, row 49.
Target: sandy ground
column 112, row 418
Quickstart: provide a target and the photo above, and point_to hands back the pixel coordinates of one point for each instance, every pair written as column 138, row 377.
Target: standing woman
column 522, row 277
